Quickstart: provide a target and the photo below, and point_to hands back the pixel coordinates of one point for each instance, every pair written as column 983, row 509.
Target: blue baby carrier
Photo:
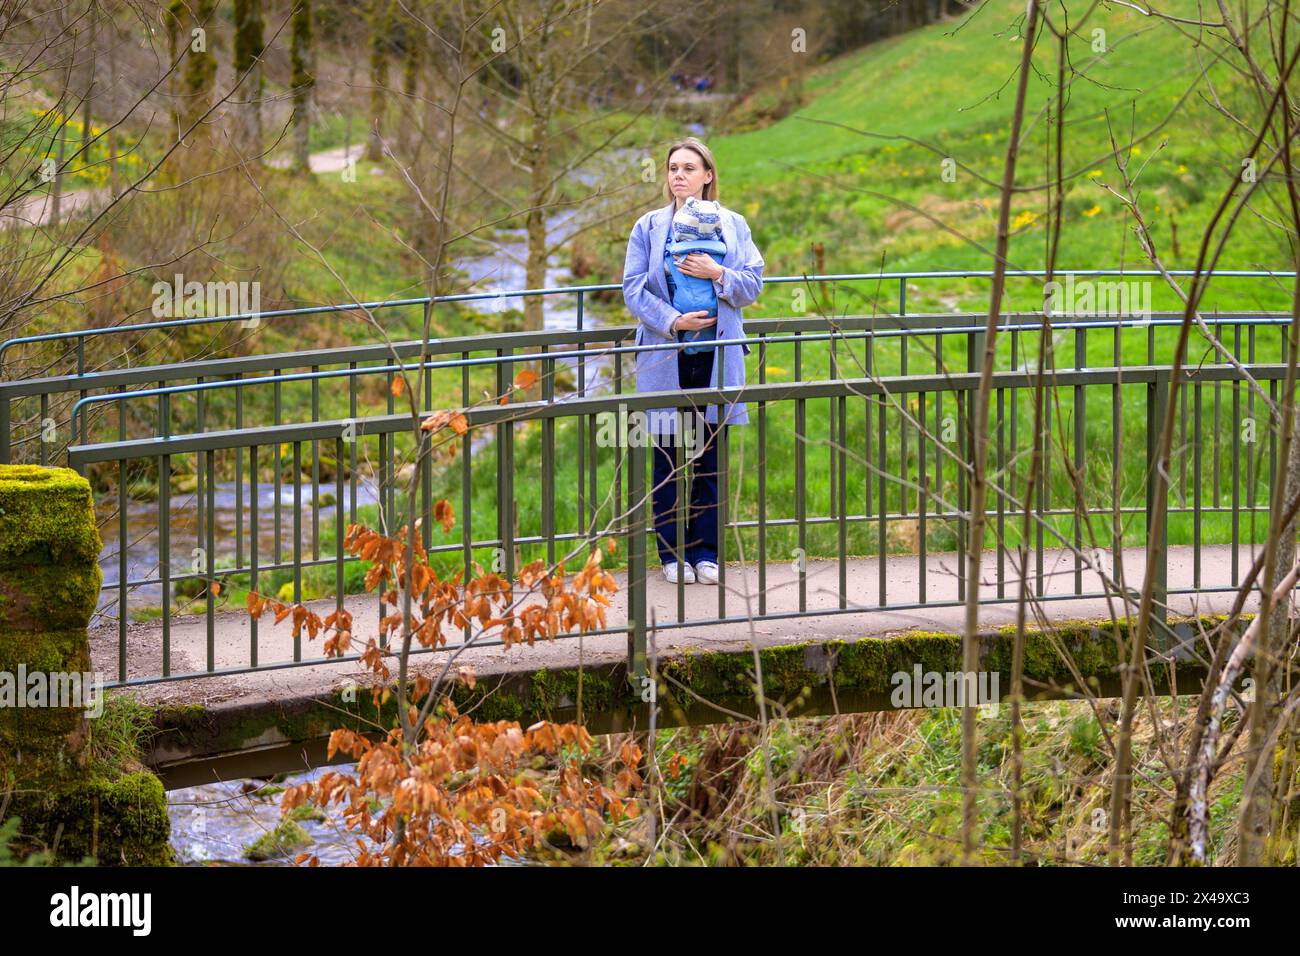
column 691, row 293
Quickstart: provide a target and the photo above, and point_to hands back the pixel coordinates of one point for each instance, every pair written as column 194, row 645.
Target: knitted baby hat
column 697, row 219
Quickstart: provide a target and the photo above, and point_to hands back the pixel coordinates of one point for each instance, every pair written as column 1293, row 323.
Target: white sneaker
column 670, row 573
column 706, row 572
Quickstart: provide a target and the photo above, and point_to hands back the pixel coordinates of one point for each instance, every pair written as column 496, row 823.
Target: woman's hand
column 691, row 321
column 701, row 266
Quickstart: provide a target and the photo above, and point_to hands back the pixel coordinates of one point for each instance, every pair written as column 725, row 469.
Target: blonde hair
column 710, row 190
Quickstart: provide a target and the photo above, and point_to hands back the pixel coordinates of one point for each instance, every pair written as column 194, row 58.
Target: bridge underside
column 277, row 720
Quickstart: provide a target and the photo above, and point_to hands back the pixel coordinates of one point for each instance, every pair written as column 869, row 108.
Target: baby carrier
column 694, row 224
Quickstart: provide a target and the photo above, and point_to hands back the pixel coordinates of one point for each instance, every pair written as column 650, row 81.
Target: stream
column 213, row 824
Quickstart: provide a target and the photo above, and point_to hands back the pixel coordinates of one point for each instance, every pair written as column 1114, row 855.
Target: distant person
column 650, row 289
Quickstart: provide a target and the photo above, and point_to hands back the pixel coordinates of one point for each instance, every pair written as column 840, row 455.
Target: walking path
column 275, row 645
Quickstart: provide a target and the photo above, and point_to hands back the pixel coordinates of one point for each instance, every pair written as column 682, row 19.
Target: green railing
column 888, row 453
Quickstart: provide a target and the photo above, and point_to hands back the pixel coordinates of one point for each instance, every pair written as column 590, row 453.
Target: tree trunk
column 1258, row 793
column 248, row 53
column 111, row 134
column 302, row 81
column 381, row 24
column 87, row 105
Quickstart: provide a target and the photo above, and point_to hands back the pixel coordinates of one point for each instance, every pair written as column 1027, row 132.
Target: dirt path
column 38, row 210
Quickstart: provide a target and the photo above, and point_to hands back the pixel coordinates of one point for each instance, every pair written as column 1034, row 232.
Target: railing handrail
column 495, row 414
column 82, row 334
column 1097, row 323
column 919, row 324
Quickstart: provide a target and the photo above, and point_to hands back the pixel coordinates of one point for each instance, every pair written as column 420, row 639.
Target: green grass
column 805, row 180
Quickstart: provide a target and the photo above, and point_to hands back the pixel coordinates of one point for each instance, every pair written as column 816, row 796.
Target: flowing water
column 213, row 824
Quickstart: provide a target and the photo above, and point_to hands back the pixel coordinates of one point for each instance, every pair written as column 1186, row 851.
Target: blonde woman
column 648, row 289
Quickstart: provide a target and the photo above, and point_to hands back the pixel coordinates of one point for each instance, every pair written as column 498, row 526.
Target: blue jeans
column 701, row 542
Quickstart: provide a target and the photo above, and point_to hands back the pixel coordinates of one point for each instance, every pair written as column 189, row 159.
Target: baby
column 696, row 227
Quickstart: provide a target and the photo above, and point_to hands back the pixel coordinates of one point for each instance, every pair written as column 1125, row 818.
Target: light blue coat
column 645, row 290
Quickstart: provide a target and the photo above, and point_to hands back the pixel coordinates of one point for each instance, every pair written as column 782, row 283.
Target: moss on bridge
column 807, row 678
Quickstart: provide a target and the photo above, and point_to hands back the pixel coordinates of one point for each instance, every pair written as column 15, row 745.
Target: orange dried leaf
column 444, row 514
column 527, row 378
column 399, row 385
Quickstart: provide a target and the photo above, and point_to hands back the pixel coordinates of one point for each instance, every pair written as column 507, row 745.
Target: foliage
column 440, row 788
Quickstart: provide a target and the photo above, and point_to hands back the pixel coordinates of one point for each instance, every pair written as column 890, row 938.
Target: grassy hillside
column 817, row 176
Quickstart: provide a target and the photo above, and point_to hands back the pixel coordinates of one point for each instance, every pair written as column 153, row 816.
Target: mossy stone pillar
column 69, row 801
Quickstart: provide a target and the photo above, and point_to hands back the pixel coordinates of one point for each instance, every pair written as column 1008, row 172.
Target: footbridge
column 844, row 504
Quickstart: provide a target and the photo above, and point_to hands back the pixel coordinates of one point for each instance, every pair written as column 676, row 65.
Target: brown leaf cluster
column 458, row 794
column 461, row 797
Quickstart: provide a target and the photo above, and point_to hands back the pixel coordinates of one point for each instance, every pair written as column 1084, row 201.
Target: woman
column 689, row 171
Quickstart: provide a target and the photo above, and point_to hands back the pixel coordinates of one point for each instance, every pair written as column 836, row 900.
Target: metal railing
column 45, row 432
column 899, row 458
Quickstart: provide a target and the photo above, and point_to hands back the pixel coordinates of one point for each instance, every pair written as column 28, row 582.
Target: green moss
column 41, row 596
column 558, row 690
column 53, row 650
column 288, row 837
column 116, row 821
column 46, row 516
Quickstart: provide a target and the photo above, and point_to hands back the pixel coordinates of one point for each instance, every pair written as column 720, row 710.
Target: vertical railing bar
column 923, row 503
column 1005, row 479
column 762, row 481
column 297, row 540
column 1080, row 469
column 164, row 532
column 277, row 462
column 239, row 476
column 636, row 565
column 682, row 504
column 385, row 514
column 620, row 521
column 315, row 470
column 339, row 532
column 843, row 500
column 1196, row 486
column 801, row 499
column 352, row 445
column 252, row 549
column 548, row 460
column 426, row 459
column 1236, row 459
column 390, row 486
column 882, row 545
column 210, row 507
column 199, row 498
column 1250, row 414
column 45, row 416
column 801, row 476
column 466, row 490
column 832, row 438
column 723, row 455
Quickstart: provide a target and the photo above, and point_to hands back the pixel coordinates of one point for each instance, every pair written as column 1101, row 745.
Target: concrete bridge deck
column 280, row 690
